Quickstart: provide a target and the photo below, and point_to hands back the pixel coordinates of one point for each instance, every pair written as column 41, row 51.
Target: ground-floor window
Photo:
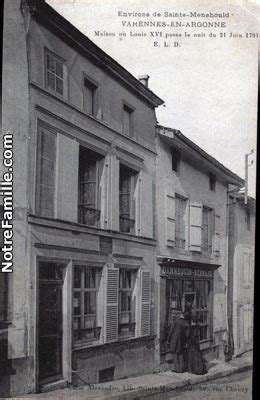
column 126, row 320
column 189, row 295
column 85, row 289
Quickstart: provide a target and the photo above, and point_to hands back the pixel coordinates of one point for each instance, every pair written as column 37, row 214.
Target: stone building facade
column 192, row 271
column 81, row 308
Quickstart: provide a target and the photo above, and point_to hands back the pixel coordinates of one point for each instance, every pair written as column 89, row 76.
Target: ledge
column 77, row 229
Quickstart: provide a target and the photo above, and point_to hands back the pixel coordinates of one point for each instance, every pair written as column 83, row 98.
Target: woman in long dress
column 196, row 364
column 178, row 341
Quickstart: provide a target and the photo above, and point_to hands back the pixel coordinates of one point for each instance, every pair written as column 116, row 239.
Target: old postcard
column 127, row 201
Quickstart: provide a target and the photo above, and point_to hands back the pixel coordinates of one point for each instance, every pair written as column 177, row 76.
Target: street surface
column 232, row 387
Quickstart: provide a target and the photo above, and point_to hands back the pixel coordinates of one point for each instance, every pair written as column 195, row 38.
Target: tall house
column 241, row 271
column 192, row 273
column 80, row 304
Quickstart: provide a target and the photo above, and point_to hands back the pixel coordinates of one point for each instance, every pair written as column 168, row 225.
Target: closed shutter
column 111, row 305
column 195, row 226
column 170, row 219
column 251, row 268
column 246, row 323
column 216, row 241
column 251, row 323
column 67, row 178
column 145, row 303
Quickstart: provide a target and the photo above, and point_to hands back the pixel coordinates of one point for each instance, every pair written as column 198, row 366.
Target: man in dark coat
column 178, row 341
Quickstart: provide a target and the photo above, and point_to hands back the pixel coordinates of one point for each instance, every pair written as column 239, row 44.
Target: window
column 126, row 187
column 46, row 161
column 207, row 229
column 126, row 320
column 247, row 219
column 180, row 210
column 176, row 157
column 54, row 73
column 212, row 182
column 89, row 163
column 85, row 291
column 189, row 295
column 128, row 128
column 89, row 97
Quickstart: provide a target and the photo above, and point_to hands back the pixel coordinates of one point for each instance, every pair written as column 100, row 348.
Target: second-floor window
column 207, row 229
column 89, row 210
column 176, row 158
column 54, row 73
column 126, row 207
column 46, row 162
column 212, row 182
column 180, row 211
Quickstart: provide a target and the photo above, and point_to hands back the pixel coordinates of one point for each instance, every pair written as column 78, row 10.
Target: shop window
column 176, row 158
column 128, row 120
column 46, row 162
column 180, row 211
column 89, row 96
column 207, row 229
column 127, row 179
column 85, row 294
column 126, row 320
column 212, row 182
column 89, row 165
column 54, row 73
column 191, row 296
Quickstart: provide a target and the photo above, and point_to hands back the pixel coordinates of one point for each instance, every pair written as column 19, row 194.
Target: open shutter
column 145, row 303
column 109, row 189
column 138, row 205
column 216, row 241
column 251, row 268
column 67, row 178
column 170, row 219
column 143, row 197
column 246, row 323
column 246, row 269
column 195, row 226
column 111, row 305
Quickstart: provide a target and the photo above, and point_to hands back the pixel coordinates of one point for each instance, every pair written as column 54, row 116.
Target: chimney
column 144, row 79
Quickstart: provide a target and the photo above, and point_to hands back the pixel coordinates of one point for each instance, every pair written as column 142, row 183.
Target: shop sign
column 186, row 272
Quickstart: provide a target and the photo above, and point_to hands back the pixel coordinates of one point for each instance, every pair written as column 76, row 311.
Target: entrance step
column 47, row 387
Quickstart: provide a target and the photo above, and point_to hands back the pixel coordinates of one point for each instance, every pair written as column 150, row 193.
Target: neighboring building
column 81, row 294
column 241, row 271
column 191, row 201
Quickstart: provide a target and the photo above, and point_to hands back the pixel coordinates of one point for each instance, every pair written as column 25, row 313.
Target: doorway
column 50, row 332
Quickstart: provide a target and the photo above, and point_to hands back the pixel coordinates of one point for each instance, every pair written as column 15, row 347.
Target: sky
column 209, row 84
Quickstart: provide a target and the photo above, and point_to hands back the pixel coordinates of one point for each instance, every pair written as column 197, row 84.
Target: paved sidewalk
column 142, row 386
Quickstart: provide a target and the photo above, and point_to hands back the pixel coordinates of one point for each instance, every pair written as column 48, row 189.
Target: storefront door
column 50, row 322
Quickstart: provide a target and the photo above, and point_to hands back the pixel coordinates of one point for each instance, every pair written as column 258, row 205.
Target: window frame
column 60, row 60
column 132, row 312
column 211, row 229
column 98, row 159
column 133, row 176
column 184, row 200
column 93, row 86
column 175, row 155
column 126, row 107
column 95, row 331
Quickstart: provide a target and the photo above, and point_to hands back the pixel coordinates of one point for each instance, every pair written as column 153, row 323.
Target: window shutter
column 251, row 268
column 67, row 178
column 111, row 305
column 138, row 205
column 145, row 303
column 246, row 323
column 195, row 226
column 216, row 241
column 109, row 189
column 170, row 219
column 144, row 206
column 250, row 306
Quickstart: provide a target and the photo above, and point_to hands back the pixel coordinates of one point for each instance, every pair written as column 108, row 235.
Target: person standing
column 178, row 339
column 195, row 362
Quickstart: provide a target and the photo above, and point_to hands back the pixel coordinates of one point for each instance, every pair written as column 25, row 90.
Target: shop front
column 186, row 286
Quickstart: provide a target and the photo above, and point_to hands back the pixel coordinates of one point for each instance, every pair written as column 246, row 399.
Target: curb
column 137, row 394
